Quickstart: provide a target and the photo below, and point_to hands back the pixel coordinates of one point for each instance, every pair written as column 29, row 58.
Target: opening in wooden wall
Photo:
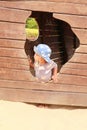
column 55, row 33
column 32, row 29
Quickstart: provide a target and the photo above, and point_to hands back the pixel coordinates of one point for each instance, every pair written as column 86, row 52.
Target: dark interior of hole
column 55, row 33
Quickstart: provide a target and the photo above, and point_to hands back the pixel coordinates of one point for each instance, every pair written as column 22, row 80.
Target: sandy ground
column 21, row 116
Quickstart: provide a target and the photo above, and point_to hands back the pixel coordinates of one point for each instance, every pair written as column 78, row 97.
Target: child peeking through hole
column 45, row 68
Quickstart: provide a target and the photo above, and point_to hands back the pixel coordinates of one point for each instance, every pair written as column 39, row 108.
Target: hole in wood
column 32, row 29
column 55, row 33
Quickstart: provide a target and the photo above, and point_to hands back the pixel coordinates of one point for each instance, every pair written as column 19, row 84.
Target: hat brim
column 45, row 58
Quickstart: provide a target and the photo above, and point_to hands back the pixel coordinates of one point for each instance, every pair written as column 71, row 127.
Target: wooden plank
column 46, row 97
column 13, row 74
column 68, row 1
column 80, row 58
column 12, row 52
column 82, row 49
column 14, row 60
column 60, row 7
column 81, row 34
column 12, row 30
column 50, row 86
column 73, row 20
column 15, row 15
column 79, row 72
column 72, row 79
column 75, row 65
column 8, row 43
column 4, row 64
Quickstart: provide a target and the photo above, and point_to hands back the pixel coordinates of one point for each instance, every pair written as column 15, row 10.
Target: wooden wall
column 16, row 82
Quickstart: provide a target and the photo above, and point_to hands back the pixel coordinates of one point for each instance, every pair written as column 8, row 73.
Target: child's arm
column 54, row 75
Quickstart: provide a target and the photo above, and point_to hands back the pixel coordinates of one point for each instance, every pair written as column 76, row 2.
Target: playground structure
column 63, row 26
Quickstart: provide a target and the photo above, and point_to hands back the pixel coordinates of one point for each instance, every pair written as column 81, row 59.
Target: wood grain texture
column 12, row 30
column 16, row 81
column 16, row 15
column 8, row 43
column 42, row 87
column 45, row 97
column 67, row 1
column 61, row 7
column 80, row 58
column 74, row 20
column 11, row 52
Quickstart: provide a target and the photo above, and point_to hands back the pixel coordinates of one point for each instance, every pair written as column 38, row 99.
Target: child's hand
column 55, row 78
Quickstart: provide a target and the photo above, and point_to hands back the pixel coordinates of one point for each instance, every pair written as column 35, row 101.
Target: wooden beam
column 80, row 58
column 67, row 1
column 14, row 15
column 75, row 65
column 72, row 71
column 12, row 30
column 72, row 79
column 50, row 86
column 45, row 97
column 73, row 20
column 60, row 7
column 13, row 52
column 8, row 43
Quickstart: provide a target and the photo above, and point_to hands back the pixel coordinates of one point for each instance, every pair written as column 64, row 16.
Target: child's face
column 38, row 58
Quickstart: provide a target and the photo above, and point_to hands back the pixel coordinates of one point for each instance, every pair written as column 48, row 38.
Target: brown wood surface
column 8, row 43
column 13, row 74
column 81, row 34
column 12, row 30
column 4, row 64
column 60, row 7
column 82, row 49
column 14, row 15
column 80, row 58
column 16, row 81
column 42, row 87
column 14, row 60
column 75, row 65
column 73, row 20
column 11, row 52
column 72, row 79
column 45, row 97
column 67, row 1
column 71, row 71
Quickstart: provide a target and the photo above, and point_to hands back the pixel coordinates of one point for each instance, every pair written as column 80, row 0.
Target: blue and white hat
column 44, row 51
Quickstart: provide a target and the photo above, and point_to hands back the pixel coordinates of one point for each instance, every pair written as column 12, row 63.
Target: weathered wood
column 14, row 60
column 42, row 87
column 82, row 49
column 61, row 7
column 14, row 15
column 81, row 34
column 4, row 64
column 13, row 74
column 12, row 30
column 75, row 65
column 8, row 43
column 47, row 97
column 80, row 72
column 77, row 80
column 73, row 20
column 68, row 1
column 80, row 58
column 11, row 52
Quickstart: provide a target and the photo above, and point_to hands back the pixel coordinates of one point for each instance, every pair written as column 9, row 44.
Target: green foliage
column 31, row 23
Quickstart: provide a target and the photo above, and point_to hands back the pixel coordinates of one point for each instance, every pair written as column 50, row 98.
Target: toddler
column 45, row 68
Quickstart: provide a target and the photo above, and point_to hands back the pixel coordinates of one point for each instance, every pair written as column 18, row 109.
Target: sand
column 22, row 116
